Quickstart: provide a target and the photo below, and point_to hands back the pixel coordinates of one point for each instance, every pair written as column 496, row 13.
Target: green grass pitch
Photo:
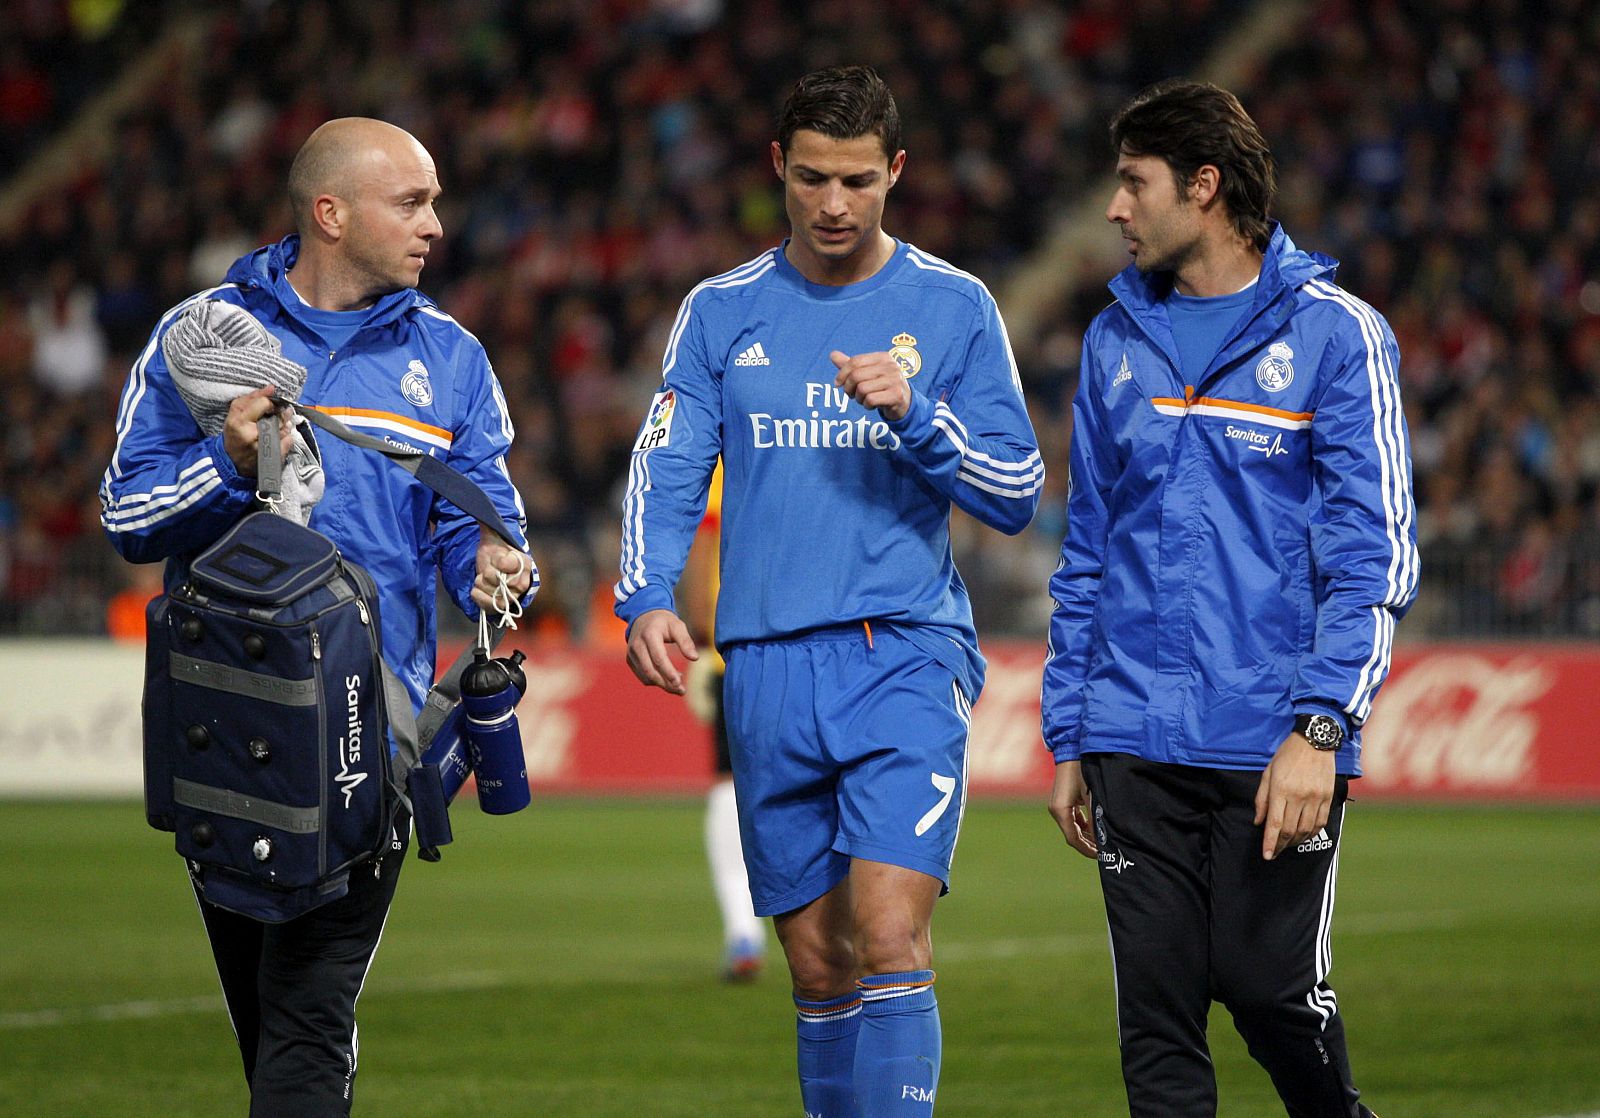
column 562, row 963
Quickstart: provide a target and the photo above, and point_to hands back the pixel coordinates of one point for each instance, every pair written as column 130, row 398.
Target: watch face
column 1323, row 732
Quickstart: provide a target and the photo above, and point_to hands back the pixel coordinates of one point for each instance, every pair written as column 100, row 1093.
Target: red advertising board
column 1472, row 721
column 1482, row 721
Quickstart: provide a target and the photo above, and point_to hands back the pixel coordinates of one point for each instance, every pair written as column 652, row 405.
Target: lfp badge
column 658, row 423
column 905, row 354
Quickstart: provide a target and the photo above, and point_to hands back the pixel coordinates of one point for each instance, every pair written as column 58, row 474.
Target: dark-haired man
column 1241, row 541
column 338, row 301
column 855, row 387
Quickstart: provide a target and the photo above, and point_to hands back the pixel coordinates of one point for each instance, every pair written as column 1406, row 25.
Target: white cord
column 505, row 603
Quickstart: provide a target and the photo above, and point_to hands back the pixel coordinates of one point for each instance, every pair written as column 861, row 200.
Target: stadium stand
column 1446, row 153
column 599, row 158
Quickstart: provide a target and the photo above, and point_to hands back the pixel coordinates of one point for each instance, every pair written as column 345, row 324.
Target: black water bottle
column 490, row 690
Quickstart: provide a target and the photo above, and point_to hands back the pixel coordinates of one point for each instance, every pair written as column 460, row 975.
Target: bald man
column 339, row 296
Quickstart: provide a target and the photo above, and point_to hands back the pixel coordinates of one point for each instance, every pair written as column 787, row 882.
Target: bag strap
column 269, row 460
column 412, row 734
column 444, row 479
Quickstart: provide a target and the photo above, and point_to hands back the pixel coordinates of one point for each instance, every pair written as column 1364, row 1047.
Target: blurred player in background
column 744, row 937
column 855, row 387
column 1241, row 541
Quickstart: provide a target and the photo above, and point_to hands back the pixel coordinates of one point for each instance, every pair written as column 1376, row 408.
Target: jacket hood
column 264, row 268
column 1284, row 267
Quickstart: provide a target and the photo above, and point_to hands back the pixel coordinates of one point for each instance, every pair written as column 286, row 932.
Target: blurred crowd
column 599, row 157
column 55, row 55
column 1448, row 153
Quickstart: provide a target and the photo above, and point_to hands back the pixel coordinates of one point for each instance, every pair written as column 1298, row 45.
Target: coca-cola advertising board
column 1483, row 721
column 1455, row 721
column 1476, row 721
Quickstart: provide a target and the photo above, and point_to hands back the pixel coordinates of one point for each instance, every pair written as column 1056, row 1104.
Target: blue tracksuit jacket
column 830, row 514
column 1238, row 550
column 411, row 375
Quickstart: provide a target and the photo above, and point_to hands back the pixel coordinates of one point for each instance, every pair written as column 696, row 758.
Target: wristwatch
column 1323, row 731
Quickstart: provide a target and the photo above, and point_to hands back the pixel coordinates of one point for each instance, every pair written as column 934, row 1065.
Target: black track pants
column 1196, row 915
column 291, row 990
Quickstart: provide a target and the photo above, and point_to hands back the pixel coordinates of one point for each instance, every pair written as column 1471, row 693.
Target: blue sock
column 827, row 1032
column 897, row 1053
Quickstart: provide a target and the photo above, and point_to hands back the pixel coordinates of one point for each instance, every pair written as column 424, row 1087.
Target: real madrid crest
column 905, row 354
column 1276, row 370
column 415, row 385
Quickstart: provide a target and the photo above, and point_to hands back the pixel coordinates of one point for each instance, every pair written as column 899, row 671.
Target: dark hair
column 842, row 103
column 1189, row 124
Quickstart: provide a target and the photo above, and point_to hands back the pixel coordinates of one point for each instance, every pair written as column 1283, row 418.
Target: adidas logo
column 1124, row 374
column 755, row 355
column 1318, row 841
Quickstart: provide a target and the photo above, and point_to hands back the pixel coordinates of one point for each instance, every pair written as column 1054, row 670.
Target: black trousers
column 291, row 990
column 1196, row 915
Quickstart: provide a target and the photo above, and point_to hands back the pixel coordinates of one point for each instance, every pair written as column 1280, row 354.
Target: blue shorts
column 843, row 749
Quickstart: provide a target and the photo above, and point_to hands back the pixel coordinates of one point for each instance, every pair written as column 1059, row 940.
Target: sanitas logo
column 400, row 444
column 1257, row 440
column 350, row 744
column 1114, row 861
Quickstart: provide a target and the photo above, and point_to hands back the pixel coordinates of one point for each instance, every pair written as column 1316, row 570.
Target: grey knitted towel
column 217, row 352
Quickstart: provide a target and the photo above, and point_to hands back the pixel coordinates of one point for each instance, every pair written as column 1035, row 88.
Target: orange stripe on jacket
column 403, row 420
column 1230, row 405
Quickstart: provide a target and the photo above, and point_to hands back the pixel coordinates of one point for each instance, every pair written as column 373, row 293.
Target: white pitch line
column 117, row 1011
column 210, row 1003
column 1011, row 948
column 1378, row 923
column 1382, row 923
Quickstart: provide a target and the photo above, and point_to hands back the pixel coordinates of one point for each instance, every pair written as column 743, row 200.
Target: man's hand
column 1070, row 806
column 1295, row 795
column 240, row 435
column 647, row 649
column 496, row 556
column 874, row 380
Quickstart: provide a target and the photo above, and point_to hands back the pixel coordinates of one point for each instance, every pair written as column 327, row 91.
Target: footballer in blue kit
column 854, row 387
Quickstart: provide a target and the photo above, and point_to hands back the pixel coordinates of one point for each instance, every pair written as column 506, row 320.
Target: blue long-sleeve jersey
column 410, row 375
column 1239, row 549
column 830, row 513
